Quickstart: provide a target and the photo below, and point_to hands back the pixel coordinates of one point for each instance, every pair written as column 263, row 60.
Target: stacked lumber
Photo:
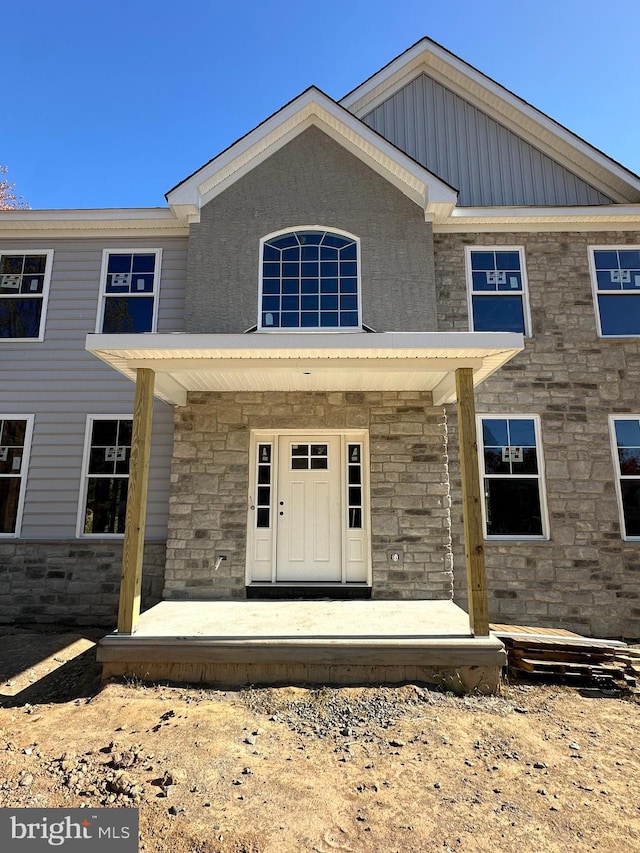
column 632, row 657
column 570, row 657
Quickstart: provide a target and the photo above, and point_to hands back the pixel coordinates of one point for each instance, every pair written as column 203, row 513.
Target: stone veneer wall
column 586, row 577
column 409, row 486
column 71, row 582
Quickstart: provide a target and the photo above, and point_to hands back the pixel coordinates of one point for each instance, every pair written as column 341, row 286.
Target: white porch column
column 133, row 550
column 471, row 506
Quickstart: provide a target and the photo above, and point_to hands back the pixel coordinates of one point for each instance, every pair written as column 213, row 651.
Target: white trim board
column 24, row 469
column 267, row 572
column 84, row 476
column 103, row 296
column 313, row 108
column 469, row 220
column 46, row 285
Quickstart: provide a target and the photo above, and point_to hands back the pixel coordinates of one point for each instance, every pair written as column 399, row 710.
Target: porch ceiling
column 378, row 361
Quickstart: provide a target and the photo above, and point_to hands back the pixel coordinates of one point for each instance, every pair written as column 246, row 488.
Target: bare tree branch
column 8, row 199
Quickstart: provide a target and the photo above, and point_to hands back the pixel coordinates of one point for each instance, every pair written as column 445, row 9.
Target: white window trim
column 526, row 311
column 310, row 329
column 540, row 476
column 84, row 481
column 594, row 287
column 24, row 469
column 45, row 292
column 619, row 476
column 132, row 250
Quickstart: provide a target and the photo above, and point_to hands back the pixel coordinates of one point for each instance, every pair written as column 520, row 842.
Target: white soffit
column 513, row 112
column 313, row 108
column 467, row 220
column 388, row 361
column 112, row 222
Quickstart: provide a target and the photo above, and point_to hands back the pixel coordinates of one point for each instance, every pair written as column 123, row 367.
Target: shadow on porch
column 287, row 642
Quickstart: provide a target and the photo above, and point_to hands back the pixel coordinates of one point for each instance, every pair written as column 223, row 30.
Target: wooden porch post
column 133, row 550
column 471, row 507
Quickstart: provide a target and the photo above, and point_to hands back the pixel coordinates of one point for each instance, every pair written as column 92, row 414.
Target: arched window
column 309, row 280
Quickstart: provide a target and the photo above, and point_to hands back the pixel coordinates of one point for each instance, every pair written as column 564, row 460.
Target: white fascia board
column 383, row 83
column 312, row 108
column 108, row 221
column 484, row 93
column 587, row 218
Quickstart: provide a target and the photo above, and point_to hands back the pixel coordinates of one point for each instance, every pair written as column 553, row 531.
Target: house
column 318, row 328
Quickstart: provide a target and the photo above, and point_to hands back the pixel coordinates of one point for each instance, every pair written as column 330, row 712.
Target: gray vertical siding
column 60, row 383
column 486, row 162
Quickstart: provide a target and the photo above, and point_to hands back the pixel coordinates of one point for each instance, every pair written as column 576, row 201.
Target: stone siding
column 409, row 486
column 585, row 577
column 71, row 582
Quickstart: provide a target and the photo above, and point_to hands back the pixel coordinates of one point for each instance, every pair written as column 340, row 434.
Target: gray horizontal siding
column 486, row 162
column 60, row 383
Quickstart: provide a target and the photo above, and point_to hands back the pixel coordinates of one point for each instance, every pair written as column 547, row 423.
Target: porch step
column 310, row 642
column 308, row 593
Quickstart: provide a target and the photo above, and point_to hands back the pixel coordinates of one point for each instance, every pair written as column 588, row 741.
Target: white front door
column 307, row 513
column 308, row 509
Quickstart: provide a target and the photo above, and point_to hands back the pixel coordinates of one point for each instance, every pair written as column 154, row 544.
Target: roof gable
column 514, row 115
column 490, row 164
column 312, row 108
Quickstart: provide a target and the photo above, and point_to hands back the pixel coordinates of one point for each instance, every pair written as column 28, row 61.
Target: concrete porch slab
column 259, row 642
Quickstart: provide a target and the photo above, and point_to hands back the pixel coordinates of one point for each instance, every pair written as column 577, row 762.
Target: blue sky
column 111, row 104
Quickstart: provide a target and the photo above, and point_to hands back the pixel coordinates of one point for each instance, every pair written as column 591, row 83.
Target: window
column 263, row 485
column 354, row 486
column 129, row 289
column 625, row 439
column 511, row 470
column 15, row 442
column 309, row 280
column 308, row 457
column 24, row 288
column 106, row 476
column 497, row 286
column 615, row 274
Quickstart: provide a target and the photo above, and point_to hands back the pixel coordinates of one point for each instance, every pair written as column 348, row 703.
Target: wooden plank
column 186, row 650
column 567, row 644
column 544, row 666
column 521, row 663
column 527, row 629
column 562, row 655
column 580, row 677
column 471, row 505
column 576, row 640
column 133, row 548
column 465, row 678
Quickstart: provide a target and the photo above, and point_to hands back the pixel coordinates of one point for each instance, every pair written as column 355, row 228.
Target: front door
column 308, row 511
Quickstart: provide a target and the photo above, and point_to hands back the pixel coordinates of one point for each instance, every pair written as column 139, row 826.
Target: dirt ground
column 280, row 770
